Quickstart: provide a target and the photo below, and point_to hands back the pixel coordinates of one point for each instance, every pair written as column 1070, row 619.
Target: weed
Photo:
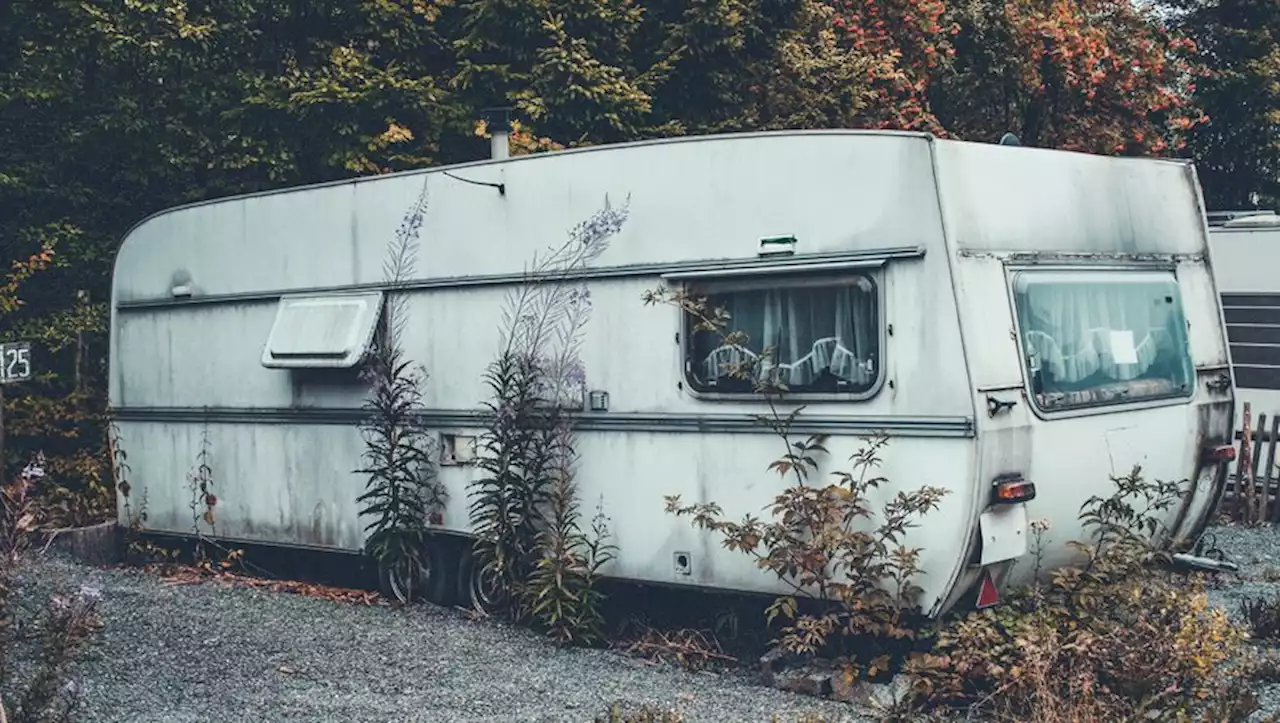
column 200, row 485
column 68, row 626
column 1113, row 638
column 402, row 494
column 1263, row 616
column 853, row 594
column 529, row 539
column 858, row 580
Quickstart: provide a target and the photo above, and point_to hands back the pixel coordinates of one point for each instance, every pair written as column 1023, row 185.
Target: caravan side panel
column 284, row 440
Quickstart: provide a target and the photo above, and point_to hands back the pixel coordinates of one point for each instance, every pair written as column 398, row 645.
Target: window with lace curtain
column 805, row 335
column 1093, row 338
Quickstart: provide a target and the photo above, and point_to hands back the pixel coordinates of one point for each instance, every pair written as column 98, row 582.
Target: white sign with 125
column 15, row 362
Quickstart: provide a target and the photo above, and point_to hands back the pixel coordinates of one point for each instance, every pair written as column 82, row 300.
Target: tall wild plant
column 530, row 544
column 852, row 594
column 401, row 490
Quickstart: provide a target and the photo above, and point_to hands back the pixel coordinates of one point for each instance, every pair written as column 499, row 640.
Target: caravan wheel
column 402, row 582
column 478, row 586
column 431, row 579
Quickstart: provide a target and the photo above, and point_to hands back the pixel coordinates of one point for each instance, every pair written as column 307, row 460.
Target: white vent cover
column 322, row 331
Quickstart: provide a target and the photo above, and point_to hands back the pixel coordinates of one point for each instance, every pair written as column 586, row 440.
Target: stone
column 93, row 545
column 774, row 662
column 848, row 691
column 887, row 695
column 804, row 681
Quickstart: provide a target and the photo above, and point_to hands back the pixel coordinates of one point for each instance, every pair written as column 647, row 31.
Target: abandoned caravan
column 1002, row 315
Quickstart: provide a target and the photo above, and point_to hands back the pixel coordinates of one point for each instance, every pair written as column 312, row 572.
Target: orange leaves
column 909, row 38
column 187, row 575
column 1101, row 76
column 21, row 271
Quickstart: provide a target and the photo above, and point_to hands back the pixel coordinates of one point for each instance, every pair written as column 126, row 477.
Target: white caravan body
column 997, row 311
column 1245, row 253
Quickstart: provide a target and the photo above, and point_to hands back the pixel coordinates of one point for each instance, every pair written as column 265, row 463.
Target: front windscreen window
column 1095, row 338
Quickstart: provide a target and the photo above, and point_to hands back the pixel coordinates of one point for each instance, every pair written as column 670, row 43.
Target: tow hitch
column 1205, row 563
column 1212, row 559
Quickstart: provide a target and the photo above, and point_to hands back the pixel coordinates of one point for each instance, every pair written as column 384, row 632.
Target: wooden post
column 1244, row 465
column 1259, row 437
column 1267, row 498
column 2, row 453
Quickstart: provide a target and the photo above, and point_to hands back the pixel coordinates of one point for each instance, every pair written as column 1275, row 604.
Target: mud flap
column 1004, row 530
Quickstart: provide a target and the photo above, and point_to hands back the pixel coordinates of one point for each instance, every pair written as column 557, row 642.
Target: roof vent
column 498, row 121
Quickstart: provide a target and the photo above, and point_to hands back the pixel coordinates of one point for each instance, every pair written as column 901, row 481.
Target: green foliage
column 1240, row 42
column 565, row 594
column 506, row 504
column 400, row 495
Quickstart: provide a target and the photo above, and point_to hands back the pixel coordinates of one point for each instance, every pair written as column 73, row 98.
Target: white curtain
column 1078, row 330
column 808, row 330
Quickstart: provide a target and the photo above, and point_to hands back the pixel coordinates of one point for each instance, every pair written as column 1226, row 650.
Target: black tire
column 433, row 580
column 440, row 588
column 475, row 588
column 401, row 583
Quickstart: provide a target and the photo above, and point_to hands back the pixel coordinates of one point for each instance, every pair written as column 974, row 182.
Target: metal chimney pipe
column 500, row 144
column 498, row 121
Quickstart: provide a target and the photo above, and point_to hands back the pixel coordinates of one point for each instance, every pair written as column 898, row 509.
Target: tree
column 1102, row 76
column 1237, row 152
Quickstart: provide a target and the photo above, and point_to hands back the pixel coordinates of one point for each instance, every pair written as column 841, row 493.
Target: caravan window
column 808, row 336
column 1093, row 338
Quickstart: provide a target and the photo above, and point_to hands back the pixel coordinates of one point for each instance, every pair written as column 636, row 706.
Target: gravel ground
column 206, row 652
column 1257, row 552
column 210, row 653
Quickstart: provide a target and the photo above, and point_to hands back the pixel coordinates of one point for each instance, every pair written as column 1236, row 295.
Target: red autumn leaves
column 1091, row 75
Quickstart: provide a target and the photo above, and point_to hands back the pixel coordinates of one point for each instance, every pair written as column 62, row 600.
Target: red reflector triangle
column 987, row 593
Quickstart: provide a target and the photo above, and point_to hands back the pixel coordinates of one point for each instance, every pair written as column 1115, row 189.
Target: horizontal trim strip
column 815, row 262
column 904, row 426
column 1118, row 260
column 775, row 269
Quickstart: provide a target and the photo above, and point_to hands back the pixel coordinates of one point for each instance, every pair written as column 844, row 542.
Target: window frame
column 1012, row 274
column 798, row 278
